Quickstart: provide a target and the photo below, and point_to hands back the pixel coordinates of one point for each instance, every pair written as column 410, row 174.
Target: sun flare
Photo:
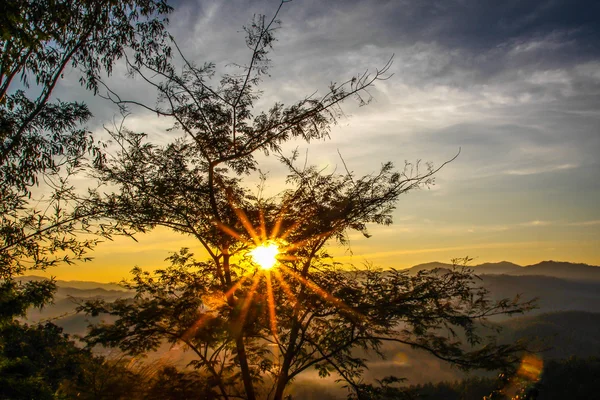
column 269, row 248
column 265, row 255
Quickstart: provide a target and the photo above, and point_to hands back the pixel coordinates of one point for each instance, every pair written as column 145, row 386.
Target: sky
column 515, row 85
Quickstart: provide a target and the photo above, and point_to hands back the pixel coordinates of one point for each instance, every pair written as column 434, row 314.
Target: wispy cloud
column 585, row 223
column 540, row 170
column 536, row 223
column 516, row 88
column 432, row 250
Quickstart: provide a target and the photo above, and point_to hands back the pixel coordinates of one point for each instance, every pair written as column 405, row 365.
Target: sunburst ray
column 286, row 288
column 231, row 232
column 191, row 331
column 248, row 300
column 236, row 286
column 324, row 294
column 301, row 243
column 259, row 236
column 279, row 219
column 271, row 302
column 246, row 224
column 263, row 226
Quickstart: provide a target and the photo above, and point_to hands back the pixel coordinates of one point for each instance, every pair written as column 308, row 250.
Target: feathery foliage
column 252, row 331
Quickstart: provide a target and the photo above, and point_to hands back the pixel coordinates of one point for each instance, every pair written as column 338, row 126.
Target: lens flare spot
column 401, row 359
column 265, row 255
column 531, row 368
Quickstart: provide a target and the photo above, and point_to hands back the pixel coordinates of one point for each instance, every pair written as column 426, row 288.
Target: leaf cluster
column 43, row 218
column 36, row 360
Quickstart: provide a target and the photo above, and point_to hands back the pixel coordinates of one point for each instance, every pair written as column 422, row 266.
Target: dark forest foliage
column 571, row 378
column 43, row 219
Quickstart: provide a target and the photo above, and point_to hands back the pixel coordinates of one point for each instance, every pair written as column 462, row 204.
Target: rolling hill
column 567, row 322
column 556, row 269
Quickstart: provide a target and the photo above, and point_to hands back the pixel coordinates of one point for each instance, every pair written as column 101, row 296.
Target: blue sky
column 514, row 84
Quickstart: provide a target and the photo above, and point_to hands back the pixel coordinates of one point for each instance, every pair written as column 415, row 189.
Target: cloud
column 504, row 245
column 536, row 223
column 586, row 223
column 540, row 170
column 514, row 84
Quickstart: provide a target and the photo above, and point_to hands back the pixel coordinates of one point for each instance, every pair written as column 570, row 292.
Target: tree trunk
column 246, row 377
column 239, row 340
column 282, row 379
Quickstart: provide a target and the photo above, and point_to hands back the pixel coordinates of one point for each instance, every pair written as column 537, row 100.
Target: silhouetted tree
column 42, row 140
column 253, row 330
column 42, row 144
column 169, row 383
column 35, row 361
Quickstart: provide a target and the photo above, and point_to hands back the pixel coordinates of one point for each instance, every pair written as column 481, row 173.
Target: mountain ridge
column 76, row 284
column 557, row 269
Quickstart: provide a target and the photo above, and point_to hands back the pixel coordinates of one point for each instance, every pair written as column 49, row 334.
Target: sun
column 268, row 250
column 265, row 255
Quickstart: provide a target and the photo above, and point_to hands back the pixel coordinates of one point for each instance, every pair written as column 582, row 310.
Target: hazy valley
column 565, row 324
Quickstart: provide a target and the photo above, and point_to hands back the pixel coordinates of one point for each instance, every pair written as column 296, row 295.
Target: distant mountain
column 82, row 285
column 429, row 266
column 67, row 297
column 66, row 300
column 68, row 291
column 571, row 328
column 561, row 334
column 502, row 267
column 553, row 294
column 556, row 269
column 564, row 270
